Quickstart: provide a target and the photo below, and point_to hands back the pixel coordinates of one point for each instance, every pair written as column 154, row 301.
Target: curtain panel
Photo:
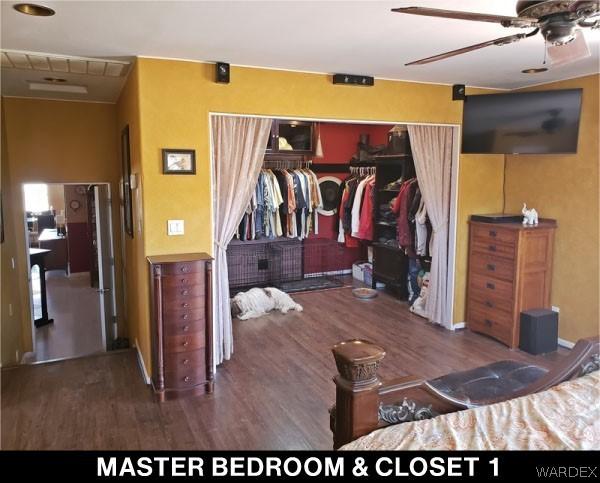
column 432, row 154
column 239, row 145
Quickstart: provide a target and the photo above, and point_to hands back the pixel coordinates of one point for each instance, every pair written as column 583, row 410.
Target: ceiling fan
column 559, row 21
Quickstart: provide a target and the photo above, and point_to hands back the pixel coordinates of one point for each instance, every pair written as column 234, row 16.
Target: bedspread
column 566, row 416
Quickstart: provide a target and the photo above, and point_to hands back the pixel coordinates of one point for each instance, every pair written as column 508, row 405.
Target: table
column 37, row 257
column 51, row 240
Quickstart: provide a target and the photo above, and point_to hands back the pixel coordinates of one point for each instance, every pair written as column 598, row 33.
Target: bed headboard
column 364, row 403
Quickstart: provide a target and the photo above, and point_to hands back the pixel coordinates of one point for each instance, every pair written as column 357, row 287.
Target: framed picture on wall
column 179, row 161
column 126, row 183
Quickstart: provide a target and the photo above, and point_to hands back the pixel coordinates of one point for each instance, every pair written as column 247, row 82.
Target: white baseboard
column 140, row 359
column 566, row 343
column 459, row 325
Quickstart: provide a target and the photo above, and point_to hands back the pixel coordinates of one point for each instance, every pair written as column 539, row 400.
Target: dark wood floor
column 273, row 394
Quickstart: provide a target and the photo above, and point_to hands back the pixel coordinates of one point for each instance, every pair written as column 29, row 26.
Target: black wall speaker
column 223, row 72
column 458, row 92
column 353, row 80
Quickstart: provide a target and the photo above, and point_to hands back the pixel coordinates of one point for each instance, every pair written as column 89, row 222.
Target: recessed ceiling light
column 39, row 86
column 54, row 79
column 33, row 9
column 537, row 70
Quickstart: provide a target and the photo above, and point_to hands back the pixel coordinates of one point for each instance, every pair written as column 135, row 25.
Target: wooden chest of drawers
column 510, row 270
column 181, row 325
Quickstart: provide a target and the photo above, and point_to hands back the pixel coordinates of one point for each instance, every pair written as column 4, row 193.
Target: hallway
column 75, row 307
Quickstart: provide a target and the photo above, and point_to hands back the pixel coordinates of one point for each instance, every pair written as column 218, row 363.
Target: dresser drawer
column 185, row 377
column 492, row 265
column 493, row 234
column 490, row 300
column 491, row 322
column 185, row 327
column 492, row 247
column 183, row 268
column 187, row 360
column 491, row 286
column 183, row 292
column 184, row 343
column 182, row 303
column 183, row 280
column 186, row 315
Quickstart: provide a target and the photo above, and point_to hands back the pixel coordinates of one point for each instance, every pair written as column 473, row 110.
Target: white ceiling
column 357, row 37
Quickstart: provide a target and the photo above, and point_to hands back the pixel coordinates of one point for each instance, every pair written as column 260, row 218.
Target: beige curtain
column 239, row 145
column 432, row 154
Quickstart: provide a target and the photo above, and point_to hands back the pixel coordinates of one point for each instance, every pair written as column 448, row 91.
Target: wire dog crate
column 288, row 264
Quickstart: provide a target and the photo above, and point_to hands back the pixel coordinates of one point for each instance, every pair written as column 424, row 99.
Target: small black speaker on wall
column 538, row 331
column 458, row 92
column 353, row 80
column 223, row 72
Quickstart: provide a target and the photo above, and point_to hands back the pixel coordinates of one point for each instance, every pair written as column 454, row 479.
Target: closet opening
column 338, row 205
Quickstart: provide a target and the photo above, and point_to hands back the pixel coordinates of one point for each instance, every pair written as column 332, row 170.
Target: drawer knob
column 186, row 328
column 186, row 362
column 183, row 280
column 493, row 233
column 491, row 286
column 185, row 316
column 184, row 304
column 491, row 267
column 184, row 292
column 186, row 378
column 489, row 304
column 488, row 322
column 186, row 343
column 492, row 248
column 184, row 269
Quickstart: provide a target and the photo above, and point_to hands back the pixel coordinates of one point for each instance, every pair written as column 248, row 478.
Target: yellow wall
column 11, row 347
column 136, row 290
column 565, row 187
column 175, row 99
column 53, row 142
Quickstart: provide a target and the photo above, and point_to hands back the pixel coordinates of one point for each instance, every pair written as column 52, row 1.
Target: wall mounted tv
column 542, row 122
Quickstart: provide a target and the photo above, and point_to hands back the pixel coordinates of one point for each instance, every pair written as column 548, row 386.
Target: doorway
column 69, row 240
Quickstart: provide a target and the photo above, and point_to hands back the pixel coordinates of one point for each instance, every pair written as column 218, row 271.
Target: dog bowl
column 364, row 293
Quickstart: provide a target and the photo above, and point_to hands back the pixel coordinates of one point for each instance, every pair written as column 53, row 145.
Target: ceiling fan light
column 33, row 9
column 534, row 70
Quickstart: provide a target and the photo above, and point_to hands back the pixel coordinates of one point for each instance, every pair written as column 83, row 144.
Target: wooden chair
column 364, row 403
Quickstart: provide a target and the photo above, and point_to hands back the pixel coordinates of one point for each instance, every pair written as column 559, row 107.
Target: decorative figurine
column 530, row 217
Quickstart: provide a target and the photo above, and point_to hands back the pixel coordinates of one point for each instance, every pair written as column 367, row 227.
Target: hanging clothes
column 284, row 203
column 366, row 227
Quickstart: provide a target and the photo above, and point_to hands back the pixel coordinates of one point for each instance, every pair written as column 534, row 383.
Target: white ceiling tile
column 77, row 66
column 20, row 61
column 59, row 64
column 96, row 68
column 6, row 61
column 114, row 70
column 38, row 62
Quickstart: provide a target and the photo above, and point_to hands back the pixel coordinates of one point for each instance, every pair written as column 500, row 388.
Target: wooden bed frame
column 364, row 403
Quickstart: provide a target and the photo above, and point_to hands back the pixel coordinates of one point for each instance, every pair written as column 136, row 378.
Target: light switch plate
column 175, row 227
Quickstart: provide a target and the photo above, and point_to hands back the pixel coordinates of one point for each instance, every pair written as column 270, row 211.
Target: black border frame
column 166, row 152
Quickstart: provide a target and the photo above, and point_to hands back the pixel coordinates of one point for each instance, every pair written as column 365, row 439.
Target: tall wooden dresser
column 510, row 270
column 181, row 325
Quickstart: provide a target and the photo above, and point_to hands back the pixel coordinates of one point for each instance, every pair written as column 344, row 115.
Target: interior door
column 106, row 273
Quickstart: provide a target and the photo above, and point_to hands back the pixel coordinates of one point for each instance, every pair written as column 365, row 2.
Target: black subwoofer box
column 539, row 331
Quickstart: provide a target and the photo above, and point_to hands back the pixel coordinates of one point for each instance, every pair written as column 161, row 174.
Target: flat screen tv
column 543, row 122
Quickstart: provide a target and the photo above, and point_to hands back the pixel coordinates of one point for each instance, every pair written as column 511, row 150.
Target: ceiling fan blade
column 478, row 17
column 501, row 41
column 565, row 54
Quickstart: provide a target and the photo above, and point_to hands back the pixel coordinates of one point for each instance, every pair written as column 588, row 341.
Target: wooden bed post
column 357, row 390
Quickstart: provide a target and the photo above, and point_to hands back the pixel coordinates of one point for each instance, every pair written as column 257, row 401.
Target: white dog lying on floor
column 258, row 301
